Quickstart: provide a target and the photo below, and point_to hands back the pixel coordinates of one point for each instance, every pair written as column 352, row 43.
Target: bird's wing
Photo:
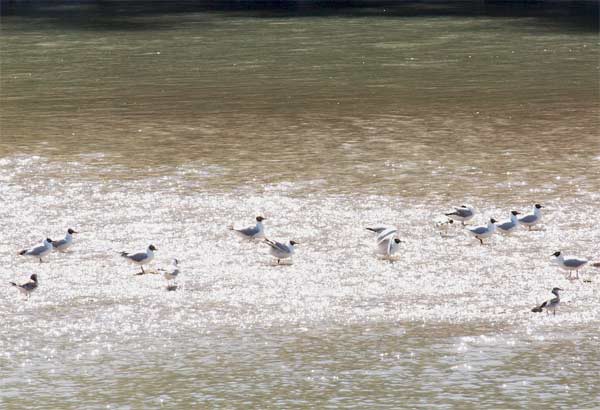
column 277, row 245
column 250, row 231
column 528, row 219
column 138, row 257
column 29, row 285
column 574, row 263
column 377, row 229
column 478, row 231
column 388, row 233
column 59, row 243
column 505, row 226
column 37, row 250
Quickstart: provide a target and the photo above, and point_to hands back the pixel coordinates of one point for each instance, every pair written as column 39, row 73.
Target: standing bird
column 549, row 304
column 570, row 264
column 39, row 251
column 510, row 226
column 252, row 232
column 533, row 218
column 388, row 247
column 482, row 232
column 280, row 250
column 28, row 287
column 170, row 275
column 141, row 258
column 461, row 214
column 64, row 244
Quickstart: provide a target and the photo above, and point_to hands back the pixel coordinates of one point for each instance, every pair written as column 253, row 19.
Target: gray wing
column 38, row 250
column 59, row 243
column 574, row 263
column 462, row 212
column 528, row 219
column 251, row 231
column 386, row 234
column 138, row 257
column 29, row 286
column 279, row 246
column 378, row 229
column 506, row 226
column 479, row 231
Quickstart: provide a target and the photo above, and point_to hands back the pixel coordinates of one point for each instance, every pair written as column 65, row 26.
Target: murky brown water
column 166, row 124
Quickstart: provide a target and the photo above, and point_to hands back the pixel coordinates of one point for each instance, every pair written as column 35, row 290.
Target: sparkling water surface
column 167, row 128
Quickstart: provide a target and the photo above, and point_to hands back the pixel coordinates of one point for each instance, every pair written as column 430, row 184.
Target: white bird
column 39, row 251
column 511, row 225
column 551, row 304
column 141, row 258
column 63, row 244
column 388, row 247
column 533, row 218
column 280, row 250
column 461, row 214
column 28, row 287
column 570, row 264
column 252, row 232
column 170, row 275
column 482, row 232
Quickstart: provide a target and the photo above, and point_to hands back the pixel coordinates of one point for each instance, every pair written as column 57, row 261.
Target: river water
column 138, row 124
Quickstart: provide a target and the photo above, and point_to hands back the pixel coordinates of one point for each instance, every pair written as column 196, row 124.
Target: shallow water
column 165, row 128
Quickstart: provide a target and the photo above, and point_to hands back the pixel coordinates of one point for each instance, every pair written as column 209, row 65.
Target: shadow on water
column 124, row 15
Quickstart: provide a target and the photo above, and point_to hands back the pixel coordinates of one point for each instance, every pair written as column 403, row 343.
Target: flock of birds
column 387, row 242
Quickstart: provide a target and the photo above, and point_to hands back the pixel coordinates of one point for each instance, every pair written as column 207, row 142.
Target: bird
column 252, row 232
column 170, row 275
column 141, row 258
column 388, row 247
column 570, row 264
column 482, row 232
column 533, row 218
column 280, row 250
column 461, row 214
column 511, row 225
column 63, row 244
column 549, row 304
column 39, row 251
column 28, row 287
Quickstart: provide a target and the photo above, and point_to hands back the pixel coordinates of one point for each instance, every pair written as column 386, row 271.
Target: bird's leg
column 463, row 223
column 141, row 266
column 278, row 261
column 480, row 240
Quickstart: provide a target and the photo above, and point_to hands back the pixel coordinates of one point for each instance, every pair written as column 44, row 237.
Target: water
column 165, row 125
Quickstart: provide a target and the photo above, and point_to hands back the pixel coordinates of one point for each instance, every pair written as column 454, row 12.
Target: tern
column 280, row 250
column 63, row 244
column 141, row 258
column 570, row 264
column 461, row 214
column 39, row 251
column 482, row 232
column 28, row 287
column 510, row 226
column 551, row 304
column 533, row 218
column 252, row 232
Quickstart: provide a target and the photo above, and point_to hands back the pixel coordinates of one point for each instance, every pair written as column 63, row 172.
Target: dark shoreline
column 579, row 13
